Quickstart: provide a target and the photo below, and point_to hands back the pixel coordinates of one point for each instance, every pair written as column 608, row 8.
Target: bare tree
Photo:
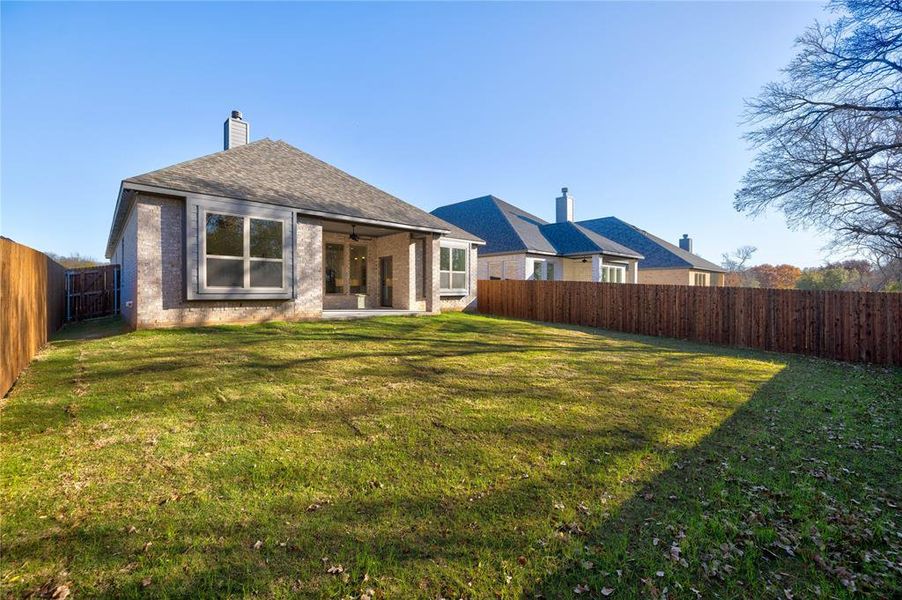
column 829, row 136
column 736, row 262
column 737, row 259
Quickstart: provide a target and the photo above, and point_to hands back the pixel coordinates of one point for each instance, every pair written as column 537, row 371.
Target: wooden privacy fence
column 92, row 292
column 32, row 297
column 849, row 326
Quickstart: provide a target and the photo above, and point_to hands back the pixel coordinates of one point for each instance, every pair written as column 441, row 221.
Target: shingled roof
column 658, row 253
column 506, row 228
column 572, row 239
column 274, row 172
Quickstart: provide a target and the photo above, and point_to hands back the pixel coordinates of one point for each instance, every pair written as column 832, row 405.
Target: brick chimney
column 686, row 242
column 564, row 207
column 235, row 131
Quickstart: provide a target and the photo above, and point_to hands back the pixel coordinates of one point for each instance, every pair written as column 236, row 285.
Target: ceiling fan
column 355, row 237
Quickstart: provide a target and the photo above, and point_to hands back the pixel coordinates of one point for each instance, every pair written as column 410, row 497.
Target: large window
column 334, row 269
column 242, row 252
column 358, row 269
column 700, row 278
column 613, row 274
column 238, row 250
column 453, row 272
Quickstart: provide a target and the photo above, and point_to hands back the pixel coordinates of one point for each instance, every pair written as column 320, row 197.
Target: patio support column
column 596, row 267
column 433, row 299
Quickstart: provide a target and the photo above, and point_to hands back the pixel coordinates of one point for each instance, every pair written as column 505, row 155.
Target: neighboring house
column 520, row 245
column 664, row 262
column 523, row 246
column 265, row 231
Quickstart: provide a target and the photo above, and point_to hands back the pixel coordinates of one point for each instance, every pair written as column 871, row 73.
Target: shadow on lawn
column 763, row 506
column 716, row 485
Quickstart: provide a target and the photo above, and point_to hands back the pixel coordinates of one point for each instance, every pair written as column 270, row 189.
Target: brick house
column 264, row 231
column 520, row 245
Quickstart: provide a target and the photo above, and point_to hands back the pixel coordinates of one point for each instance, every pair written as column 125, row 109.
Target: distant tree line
column 849, row 275
column 76, row 260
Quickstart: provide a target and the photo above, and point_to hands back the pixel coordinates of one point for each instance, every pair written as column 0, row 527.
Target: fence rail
column 32, row 296
column 848, row 326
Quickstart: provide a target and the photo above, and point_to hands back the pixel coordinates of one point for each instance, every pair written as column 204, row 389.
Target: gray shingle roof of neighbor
column 275, row 172
column 506, row 228
column 571, row 238
column 658, row 253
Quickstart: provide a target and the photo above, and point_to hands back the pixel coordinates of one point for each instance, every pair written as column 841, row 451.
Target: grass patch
column 455, row 456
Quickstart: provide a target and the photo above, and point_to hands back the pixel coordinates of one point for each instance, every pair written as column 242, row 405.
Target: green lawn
column 456, row 456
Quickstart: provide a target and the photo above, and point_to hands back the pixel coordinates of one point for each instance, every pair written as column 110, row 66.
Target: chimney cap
column 564, row 190
column 685, row 236
column 236, row 114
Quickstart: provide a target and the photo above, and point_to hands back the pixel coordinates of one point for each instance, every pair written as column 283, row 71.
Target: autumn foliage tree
column 776, row 276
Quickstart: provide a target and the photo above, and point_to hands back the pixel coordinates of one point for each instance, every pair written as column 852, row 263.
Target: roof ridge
column 517, row 209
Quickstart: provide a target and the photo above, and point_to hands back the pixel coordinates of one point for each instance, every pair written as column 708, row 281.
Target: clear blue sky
column 635, row 107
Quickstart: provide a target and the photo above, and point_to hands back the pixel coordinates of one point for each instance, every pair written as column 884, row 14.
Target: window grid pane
column 458, row 259
column 225, row 235
column 266, row 238
column 334, row 268
column 358, row 269
column 225, row 272
column 266, row 273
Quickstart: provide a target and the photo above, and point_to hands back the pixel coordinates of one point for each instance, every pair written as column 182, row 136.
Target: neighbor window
column 358, row 269
column 700, row 278
column 238, row 250
column 334, row 269
column 453, row 269
column 611, row 274
column 537, row 268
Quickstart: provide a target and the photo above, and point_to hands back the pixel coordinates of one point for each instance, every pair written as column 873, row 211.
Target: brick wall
column 677, row 277
column 512, row 266
column 161, row 278
column 155, row 277
column 400, row 247
column 126, row 255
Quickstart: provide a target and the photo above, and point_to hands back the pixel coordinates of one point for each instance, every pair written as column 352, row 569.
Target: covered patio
column 370, row 269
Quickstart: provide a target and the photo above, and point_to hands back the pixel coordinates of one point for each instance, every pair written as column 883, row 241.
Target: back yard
column 456, row 456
